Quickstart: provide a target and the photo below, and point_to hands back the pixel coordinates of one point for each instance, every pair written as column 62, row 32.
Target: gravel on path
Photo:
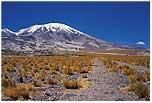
column 105, row 87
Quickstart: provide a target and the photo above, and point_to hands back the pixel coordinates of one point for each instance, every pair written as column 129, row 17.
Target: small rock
column 112, row 92
column 19, row 80
column 52, row 98
column 49, row 93
column 105, row 92
column 71, row 94
column 28, row 79
column 39, row 98
column 119, row 99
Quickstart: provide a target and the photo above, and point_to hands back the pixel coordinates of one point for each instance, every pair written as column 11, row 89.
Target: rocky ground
column 105, row 87
column 48, row 93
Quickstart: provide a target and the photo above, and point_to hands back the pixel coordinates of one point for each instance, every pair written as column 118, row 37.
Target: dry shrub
column 129, row 71
column 84, row 70
column 132, row 71
column 125, row 71
column 6, row 83
column 28, row 87
column 37, row 83
column 126, row 67
column 113, row 69
column 140, row 89
column 148, row 64
column 42, row 75
column 16, row 92
column 52, row 81
column 84, row 76
column 89, row 68
column 76, row 69
column 54, row 67
column 133, row 78
column 11, row 92
column 68, row 71
column 71, row 84
column 120, row 68
column 146, row 76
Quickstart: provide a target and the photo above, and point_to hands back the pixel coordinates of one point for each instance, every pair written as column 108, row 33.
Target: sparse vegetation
column 130, row 59
column 55, row 70
column 133, row 78
column 140, row 89
column 71, row 84
column 6, row 83
column 146, row 76
column 52, row 81
column 136, row 81
column 18, row 91
column 41, row 70
column 84, row 76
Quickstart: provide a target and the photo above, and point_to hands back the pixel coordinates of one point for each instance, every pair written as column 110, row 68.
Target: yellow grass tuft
column 140, row 89
column 71, row 84
column 52, row 81
column 146, row 76
column 18, row 91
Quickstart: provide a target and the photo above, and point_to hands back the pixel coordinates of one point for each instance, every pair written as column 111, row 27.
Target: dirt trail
column 105, row 86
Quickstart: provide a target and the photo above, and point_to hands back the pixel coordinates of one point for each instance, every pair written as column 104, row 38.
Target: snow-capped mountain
column 50, row 37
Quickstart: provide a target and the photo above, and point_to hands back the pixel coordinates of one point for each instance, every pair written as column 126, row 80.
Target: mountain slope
column 52, row 37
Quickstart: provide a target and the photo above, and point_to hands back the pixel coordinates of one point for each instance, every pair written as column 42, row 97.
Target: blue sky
column 119, row 22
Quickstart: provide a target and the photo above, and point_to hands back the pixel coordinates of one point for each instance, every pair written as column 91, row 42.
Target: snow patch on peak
column 49, row 26
column 60, row 26
column 34, row 28
column 20, row 31
column 55, row 27
column 7, row 30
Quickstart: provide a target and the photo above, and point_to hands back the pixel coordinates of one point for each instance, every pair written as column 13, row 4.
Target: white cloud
column 140, row 43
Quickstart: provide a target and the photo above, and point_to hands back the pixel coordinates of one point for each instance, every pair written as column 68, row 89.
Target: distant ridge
column 53, row 37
